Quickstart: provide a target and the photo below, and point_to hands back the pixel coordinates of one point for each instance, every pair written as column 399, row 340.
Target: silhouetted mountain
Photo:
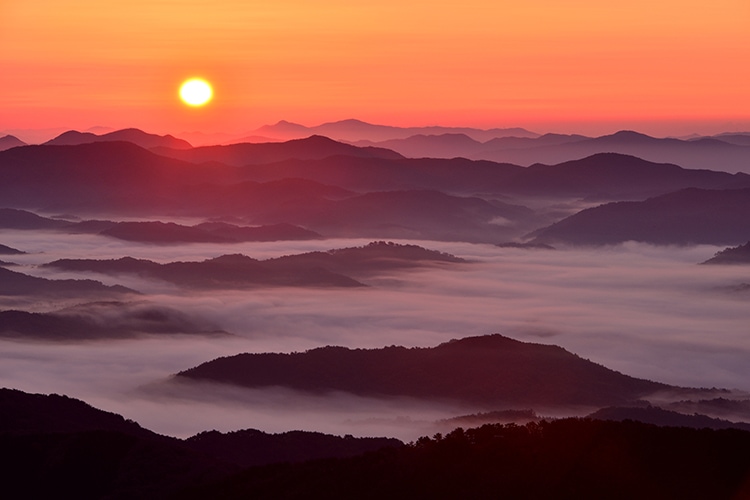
column 311, row 148
column 15, row 283
column 102, row 320
column 10, row 141
column 6, row 250
column 273, row 232
column 252, row 447
column 689, row 216
column 433, row 146
column 485, row 371
column 452, row 145
column 456, row 176
column 11, row 218
column 612, row 176
column 721, row 407
column 740, row 139
column 21, row 412
column 114, row 176
column 58, row 447
column 666, row 418
column 491, row 417
column 134, row 135
column 699, row 154
column 408, row 214
column 239, row 271
column 357, row 130
column 735, row 255
column 370, row 259
column 566, row 459
column 227, row 271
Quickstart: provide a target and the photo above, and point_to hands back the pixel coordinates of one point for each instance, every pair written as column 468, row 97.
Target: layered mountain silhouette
column 59, row 447
column 452, row 145
column 315, row 147
column 102, row 320
column 10, row 141
column 730, row 153
column 666, row 418
column 155, row 231
column 356, row 130
column 487, row 371
column 6, row 250
column 734, row 255
column 566, row 458
column 689, row 216
column 354, row 193
column 134, row 135
column 240, row 271
column 16, row 283
column 225, row 272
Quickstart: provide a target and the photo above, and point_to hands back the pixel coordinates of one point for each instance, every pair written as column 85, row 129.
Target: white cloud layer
column 647, row 311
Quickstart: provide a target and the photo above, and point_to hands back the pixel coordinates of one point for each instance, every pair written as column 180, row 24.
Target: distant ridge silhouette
column 353, row 130
column 10, row 141
column 134, row 135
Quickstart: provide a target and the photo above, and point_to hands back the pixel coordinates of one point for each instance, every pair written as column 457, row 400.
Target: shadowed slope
column 689, row 216
column 485, row 371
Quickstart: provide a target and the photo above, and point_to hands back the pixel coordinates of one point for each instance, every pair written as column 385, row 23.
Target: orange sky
column 587, row 66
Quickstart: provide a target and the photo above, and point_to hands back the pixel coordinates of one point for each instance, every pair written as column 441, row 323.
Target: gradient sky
column 664, row 67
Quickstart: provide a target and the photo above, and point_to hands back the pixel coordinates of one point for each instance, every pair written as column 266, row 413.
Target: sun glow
column 196, row 92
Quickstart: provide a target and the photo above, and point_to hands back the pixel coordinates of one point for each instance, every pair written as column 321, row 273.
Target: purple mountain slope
column 10, row 141
column 689, row 216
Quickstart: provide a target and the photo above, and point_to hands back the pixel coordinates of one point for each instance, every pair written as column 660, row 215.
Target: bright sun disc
column 196, row 92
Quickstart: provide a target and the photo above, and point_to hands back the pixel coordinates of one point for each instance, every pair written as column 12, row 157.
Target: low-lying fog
column 647, row 311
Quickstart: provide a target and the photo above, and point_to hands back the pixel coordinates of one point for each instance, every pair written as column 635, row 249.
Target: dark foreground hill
column 57, row 447
column 491, row 371
column 565, row 459
column 54, row 446
column 689, row 216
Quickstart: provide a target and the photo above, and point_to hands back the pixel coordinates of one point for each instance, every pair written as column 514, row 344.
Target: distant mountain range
column 239, row 271
column 356, row 130
column 133, row 135
column 730, row 153
column 314, row 147
column 490, row 371
column 330, row 189
column 154, row 231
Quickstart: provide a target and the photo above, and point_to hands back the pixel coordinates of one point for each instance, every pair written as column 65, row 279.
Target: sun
column 196, row 92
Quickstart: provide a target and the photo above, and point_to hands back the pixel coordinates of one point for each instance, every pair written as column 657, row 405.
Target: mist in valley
column 647, row 311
